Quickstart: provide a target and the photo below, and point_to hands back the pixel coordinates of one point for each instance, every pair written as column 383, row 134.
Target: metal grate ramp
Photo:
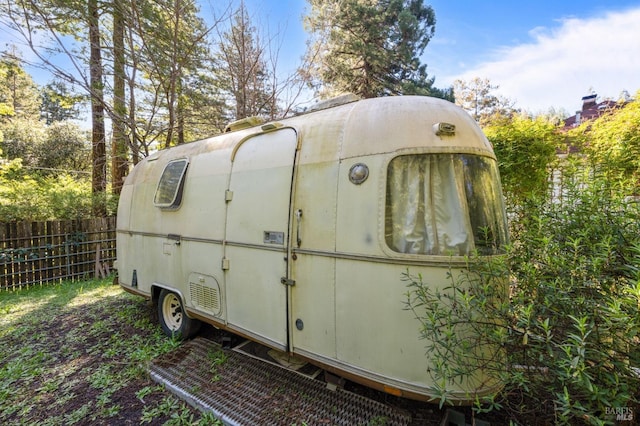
column 247, row 391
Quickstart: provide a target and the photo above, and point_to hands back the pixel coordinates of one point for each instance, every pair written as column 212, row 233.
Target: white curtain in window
column 427, row 206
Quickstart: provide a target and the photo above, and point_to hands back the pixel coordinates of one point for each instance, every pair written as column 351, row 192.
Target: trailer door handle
column 298, row 220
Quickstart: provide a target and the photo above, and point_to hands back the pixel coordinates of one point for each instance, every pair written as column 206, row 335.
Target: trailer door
column 257, row 237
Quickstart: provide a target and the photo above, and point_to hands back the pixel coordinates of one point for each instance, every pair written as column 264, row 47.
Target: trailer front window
column 444, row 204
column 169, row 191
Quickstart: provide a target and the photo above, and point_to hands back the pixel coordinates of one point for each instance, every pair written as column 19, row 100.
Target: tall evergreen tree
column 19, row 96
column 98, row 133
column 20, row 130
column 59, row 102
column 80, row 19
column 372, row 47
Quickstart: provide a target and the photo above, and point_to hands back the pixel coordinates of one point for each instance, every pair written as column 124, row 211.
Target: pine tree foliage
column 59, row 102
column 19, row 112
column 37, row 130
column 372, row 47
column 19, row 96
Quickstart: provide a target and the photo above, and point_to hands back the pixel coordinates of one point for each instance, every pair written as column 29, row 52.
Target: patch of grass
column 165, row 407
column 216, row 358
column 148, row 390
column 378, row 421
column 77, row 353
column 78, row 414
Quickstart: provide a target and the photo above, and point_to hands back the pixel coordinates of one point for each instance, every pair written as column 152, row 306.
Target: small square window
column 169, row 191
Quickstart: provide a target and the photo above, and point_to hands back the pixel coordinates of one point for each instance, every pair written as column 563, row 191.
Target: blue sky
column 541, row 53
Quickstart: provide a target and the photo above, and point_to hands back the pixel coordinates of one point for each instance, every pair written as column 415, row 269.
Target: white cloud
column 562, row 64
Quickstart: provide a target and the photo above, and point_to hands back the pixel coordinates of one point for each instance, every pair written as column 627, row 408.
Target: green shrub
column 525, row 148
column 570, row 333
column 613, row 142
column 463, row 325
column 32, row 197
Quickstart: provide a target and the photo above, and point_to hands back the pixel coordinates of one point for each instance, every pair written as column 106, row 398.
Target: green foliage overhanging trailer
column 296, row 233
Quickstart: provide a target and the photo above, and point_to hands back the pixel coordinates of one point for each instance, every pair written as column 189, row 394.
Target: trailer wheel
column 173, row 319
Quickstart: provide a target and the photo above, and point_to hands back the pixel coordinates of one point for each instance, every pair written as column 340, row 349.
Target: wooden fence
column 53, row 251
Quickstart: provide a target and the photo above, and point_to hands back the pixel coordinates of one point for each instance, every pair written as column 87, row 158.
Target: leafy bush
column 525, row 149
column 464, row 325
column 570, row 334
column 613, row 142
column 22, row 138
column 32, row 197
column 65, row 147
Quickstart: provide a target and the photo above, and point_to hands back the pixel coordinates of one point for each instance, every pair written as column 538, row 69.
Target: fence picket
column 43, row 252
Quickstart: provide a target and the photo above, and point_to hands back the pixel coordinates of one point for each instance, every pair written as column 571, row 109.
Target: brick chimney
column 588, row 101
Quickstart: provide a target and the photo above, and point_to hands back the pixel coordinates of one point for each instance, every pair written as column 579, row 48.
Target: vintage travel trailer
column 296, row 233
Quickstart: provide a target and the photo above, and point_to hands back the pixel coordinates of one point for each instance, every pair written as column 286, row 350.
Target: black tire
column 173, row 319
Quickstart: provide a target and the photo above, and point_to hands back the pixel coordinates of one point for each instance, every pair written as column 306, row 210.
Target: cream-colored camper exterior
column 296, row 233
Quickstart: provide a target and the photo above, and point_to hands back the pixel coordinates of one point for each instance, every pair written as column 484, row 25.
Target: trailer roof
column 360, row 128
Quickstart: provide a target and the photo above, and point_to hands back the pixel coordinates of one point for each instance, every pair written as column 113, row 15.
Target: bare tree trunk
column 176, row 73
column 119, row 145
column 134, row 22
column 99, row 154
column 180, row 114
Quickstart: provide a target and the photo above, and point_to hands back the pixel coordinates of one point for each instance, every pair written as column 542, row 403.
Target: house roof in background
column 591, row 109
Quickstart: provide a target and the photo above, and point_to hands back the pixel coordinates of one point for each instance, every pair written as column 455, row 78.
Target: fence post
column 40, row 252
column 5, row 267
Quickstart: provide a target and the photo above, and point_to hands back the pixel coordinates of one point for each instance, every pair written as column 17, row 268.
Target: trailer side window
column 444, row 204
column 169, row 191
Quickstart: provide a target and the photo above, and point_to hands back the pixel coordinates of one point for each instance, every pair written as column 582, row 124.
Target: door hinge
column 287, row 281
column 228, row 195
column 225, row 264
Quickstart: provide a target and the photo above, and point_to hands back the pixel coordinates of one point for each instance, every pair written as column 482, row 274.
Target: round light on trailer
column 358, row 173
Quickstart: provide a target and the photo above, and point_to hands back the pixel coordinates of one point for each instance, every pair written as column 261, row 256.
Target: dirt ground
column 77, row 366
column 87, row 364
